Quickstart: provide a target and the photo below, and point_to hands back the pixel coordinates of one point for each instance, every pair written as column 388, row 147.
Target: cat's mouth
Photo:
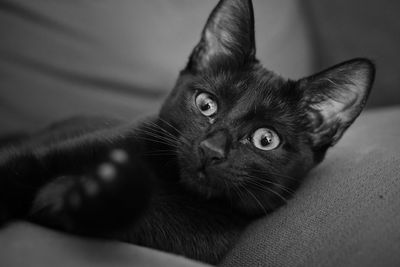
column 213, row 181
column 205, row 181
column 205, row 173
column 205, row 178
column 208, row 180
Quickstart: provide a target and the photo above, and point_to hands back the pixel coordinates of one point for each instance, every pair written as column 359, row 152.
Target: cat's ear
column 335, row 97
column 229, row 33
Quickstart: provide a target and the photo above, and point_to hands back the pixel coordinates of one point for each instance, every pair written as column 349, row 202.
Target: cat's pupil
column 205, row 106
column 266, row 140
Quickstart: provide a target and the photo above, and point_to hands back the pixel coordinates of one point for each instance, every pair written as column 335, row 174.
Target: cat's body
column 231, row 143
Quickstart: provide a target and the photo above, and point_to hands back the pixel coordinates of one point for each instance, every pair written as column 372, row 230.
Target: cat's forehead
column 256, row 97
column 245, row 88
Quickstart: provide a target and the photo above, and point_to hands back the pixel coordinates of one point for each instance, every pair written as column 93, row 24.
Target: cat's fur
column 153, row 183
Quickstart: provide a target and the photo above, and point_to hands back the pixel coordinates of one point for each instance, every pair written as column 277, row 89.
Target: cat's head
column 247, row 134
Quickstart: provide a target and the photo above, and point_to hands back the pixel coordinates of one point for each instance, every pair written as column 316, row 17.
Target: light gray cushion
column 347, row 211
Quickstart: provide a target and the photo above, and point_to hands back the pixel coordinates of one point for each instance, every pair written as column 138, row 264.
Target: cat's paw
column 106, row 178
column 110, row 196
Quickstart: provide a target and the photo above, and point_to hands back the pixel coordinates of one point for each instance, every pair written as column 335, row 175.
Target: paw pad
column 119, row 156
column 91, row 187
column 107, row 171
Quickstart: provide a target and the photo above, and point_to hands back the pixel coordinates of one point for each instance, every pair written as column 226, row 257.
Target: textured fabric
column 26, row 245
column 347, row 211
column 62, row 58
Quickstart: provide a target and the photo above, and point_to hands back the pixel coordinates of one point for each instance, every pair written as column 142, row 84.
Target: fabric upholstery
column 347, row 211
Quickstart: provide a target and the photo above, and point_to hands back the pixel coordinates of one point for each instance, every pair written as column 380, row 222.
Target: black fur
column 153, row 183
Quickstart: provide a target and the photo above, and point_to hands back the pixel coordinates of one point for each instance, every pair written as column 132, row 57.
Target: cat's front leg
column 27, row 170
column 110, row 195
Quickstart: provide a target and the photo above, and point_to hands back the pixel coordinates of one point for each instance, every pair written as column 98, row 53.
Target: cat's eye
column 206, row 104
column 265, row 139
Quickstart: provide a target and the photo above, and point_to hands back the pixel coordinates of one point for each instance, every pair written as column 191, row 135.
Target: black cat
column 231, row 143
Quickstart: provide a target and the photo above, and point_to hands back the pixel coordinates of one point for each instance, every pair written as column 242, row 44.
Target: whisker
column 184, row 140
column 260, row 182
column 164, row 150
column 165, row 130
column 274, row 173
column 173, row 127
column 155, row 134
column 239, row 193
column 181, row 135
column 153, row 126
column 159, row 154
column 267, row 189
column 157, row 141
column 256, row 199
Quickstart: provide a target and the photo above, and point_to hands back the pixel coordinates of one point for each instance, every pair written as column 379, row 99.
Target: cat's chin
column 204, row 184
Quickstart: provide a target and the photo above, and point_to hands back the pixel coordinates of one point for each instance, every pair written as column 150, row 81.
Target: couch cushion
column 347, row 211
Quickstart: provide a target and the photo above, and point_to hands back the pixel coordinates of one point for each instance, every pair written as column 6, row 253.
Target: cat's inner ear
column 229, row 32
column 334, row 98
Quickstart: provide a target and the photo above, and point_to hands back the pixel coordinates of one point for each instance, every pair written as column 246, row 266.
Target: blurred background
column 63, row 58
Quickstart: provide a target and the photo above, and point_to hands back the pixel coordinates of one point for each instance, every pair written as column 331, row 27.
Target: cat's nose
column 214, row 147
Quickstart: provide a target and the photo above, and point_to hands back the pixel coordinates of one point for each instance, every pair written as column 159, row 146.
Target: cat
column 231, row 143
